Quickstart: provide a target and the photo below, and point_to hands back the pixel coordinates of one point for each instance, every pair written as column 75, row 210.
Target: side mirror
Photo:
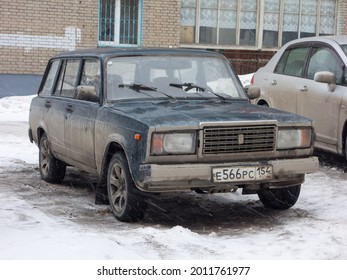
column 253, row 92
column 87, row 93
column 326, row 78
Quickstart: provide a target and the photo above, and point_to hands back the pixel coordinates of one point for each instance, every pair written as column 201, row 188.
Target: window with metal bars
column 119, row 22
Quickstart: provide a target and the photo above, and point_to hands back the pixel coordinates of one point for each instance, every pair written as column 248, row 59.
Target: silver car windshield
column 171, row 77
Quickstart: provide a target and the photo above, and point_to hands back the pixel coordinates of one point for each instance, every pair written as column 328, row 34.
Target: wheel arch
column 40, row 132
column 101, row 188
column 111, row 149
column 263, row 102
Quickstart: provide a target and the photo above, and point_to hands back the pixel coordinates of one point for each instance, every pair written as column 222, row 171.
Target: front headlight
column 292, row 138
column 173, row 143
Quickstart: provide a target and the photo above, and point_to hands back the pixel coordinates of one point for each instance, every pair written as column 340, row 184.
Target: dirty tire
column 52, row 170
column 279, row 199
column 126, row 201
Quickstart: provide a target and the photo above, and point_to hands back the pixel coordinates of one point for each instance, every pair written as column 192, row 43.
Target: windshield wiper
column 141, row 87
column 190, row 86
column 137, row 87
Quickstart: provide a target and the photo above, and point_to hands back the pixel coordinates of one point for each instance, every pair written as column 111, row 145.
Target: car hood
column 194, row 112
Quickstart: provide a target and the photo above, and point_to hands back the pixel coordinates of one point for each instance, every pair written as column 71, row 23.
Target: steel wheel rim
column 118, row 187
column 44, row 157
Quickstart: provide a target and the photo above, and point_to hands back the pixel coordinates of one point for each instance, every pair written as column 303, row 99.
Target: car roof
column 339, row 39
column 334, row 41
column 111, row 52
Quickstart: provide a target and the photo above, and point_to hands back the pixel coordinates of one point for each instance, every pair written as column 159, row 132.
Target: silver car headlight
column 173, row 143
column 292, row 138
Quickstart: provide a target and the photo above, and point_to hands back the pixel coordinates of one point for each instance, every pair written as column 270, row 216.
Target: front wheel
column 279, row 199
column 127, row 203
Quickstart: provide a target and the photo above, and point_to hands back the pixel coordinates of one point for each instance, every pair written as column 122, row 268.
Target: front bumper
column 184, row 177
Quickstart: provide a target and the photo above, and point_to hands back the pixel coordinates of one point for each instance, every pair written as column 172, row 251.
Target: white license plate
column 242, row 173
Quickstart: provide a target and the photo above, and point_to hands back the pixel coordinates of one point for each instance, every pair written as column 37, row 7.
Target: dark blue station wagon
column 165, row 120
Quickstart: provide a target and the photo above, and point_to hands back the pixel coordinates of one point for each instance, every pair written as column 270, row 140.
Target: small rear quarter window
column 47, row 87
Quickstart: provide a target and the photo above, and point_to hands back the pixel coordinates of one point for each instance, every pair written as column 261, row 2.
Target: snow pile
column 14, row 143
column 15, row 108
column 246, row 79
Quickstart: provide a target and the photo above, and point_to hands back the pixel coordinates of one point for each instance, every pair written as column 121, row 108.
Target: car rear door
column 282, row 89
column 53, row 112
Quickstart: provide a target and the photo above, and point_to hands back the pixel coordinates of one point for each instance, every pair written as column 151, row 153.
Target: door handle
column 48, row 104
column 274, row 82
column 304, row 89
column 69, row 108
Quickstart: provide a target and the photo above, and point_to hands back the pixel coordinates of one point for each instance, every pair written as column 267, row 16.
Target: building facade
column 247, row 31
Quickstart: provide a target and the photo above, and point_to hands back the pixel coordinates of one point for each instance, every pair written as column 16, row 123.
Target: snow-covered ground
column 45, row 221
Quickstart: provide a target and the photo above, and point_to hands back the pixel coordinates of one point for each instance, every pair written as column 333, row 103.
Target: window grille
column 119, row 22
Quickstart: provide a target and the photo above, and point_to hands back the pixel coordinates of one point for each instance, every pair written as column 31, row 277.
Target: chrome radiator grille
column 238, row 139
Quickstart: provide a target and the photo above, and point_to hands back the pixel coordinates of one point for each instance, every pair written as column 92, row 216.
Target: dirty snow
column 44, row 221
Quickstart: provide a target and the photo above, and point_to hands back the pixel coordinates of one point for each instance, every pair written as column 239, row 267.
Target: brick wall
column 161, row 23
column 245, row 62
column 31, row 31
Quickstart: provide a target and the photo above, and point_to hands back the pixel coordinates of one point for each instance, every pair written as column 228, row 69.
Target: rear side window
column 324, row 59
column 67, row 78
column 50, row 78
column 292, row 62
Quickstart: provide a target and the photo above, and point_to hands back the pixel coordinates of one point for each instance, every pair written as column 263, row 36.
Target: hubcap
column 117, row 187
column 44, row 157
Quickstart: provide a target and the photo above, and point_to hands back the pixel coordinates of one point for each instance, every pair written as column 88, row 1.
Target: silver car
column 308, row 77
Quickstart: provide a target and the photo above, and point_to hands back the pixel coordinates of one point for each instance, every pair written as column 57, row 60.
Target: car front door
column 316, row 101
column 80, row 120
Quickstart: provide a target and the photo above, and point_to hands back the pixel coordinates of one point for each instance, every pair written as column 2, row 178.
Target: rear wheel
column 52, row 170
column 126, row 201
column 279, row 199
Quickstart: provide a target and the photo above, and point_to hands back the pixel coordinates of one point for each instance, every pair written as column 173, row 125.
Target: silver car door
column 283, row 83
column 316, row 101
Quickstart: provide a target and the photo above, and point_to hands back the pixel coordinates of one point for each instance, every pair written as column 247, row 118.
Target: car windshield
column 171, row 77
column 344, row 47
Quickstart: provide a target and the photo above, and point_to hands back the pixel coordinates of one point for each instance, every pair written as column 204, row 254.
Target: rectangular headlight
column 173, row 143
column 293, row 138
